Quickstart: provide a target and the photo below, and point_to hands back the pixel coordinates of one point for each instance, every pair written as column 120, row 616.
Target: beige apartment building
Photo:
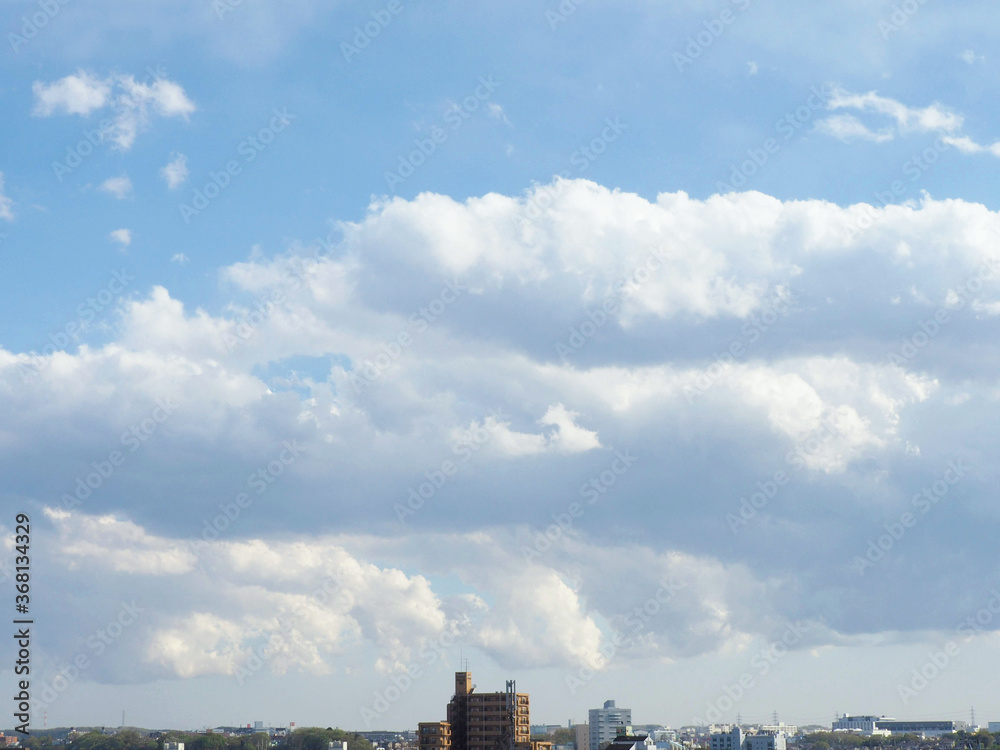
column 481, row 721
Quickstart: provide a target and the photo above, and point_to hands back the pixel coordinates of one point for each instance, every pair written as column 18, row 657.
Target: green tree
column 209, row 742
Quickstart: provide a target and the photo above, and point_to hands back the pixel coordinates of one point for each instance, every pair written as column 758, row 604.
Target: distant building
column 605, row 723
column 582, row 732
column 993, row 726
column 727, row 740
column 537, row 729
column 862, row 724
column 632, row 742
column 765, row 741
column 789, row 730
column 874, row 725
column 923, row 728
column 173, row 746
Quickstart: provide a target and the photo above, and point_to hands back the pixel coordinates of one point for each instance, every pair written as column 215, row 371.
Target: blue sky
column 706, row 291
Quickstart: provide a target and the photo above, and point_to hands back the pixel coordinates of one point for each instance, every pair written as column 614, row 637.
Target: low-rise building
column 765, row 741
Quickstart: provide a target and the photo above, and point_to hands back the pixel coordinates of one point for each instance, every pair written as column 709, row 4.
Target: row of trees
column 307, row 738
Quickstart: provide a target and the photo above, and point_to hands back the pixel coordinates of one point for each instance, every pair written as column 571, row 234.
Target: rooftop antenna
column 739, row 720
column 775, row 718
column 972, row 717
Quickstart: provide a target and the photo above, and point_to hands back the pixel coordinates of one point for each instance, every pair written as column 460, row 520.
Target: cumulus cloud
column 176, row 171
column 119, row 187
column 133, row 103
column 714, row 343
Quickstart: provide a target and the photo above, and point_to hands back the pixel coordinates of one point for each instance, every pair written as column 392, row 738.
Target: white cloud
column 752, row 68
column 649, row 373
column 967, row 146
column 133, row 103
column 848, row 127
column 119, row 187
column 497, row 113
column 971, row 57
column 6, row 204
column 176, row 171
column 118, row 545
column 78, row 94
column 566, row 437
column 122, row 236
column 180, row 259
column 934, row 118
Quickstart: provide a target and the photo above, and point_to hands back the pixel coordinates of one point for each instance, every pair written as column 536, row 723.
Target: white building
column 765, row 741
column 862, row 724
column 789, row 730
column 581, row 734
column 605, row 723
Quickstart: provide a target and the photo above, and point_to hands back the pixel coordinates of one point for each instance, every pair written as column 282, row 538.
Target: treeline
column 307, row 738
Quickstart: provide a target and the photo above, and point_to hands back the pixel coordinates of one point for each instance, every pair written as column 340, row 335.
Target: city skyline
column 633, row 350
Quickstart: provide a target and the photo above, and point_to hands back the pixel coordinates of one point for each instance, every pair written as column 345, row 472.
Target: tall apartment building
column 481, row 721
column 605, row 722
